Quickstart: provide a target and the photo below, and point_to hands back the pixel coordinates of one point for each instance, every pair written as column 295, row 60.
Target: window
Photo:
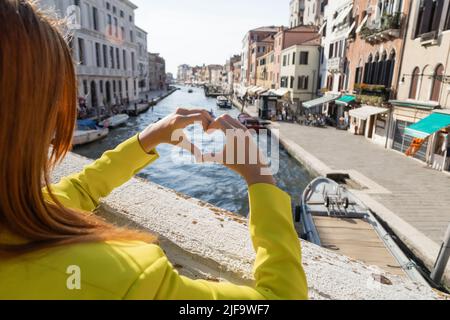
column 358, row 75
column 124, row 59
column 304, row 55
column 114, row 10
column 292, row 83
column 132, row 61
column 429, row 16
column 81, row 51
column 303, row 83
column 122, row 33
column 105, row 56
column 293, row 58
column 330, row 53
column 109, row 25
column 118, row 58
column 284, row 60
column 116, row 27
column 284, row 82
column 131, row 36
column 95, row 18
column 437, row 83
column 101, row 86
column 414, row 83
column 111, row 56
column 131, row 18
column 85, row 87
column 98, row 54
column 122, row 14
column 108, row 6
column 447, row 20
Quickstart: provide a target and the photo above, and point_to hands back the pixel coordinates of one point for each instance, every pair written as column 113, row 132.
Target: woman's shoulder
column 88, row 271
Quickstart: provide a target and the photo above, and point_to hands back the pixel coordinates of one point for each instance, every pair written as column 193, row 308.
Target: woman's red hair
column 37, row 118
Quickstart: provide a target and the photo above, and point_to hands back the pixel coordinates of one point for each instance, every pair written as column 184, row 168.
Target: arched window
column 375, row 69
column 390, row 67
column 414, row 83
column 383, row 69
column 437, row 83
column 368, row 69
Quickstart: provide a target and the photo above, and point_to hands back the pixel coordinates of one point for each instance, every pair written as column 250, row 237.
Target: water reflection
column 209, row 182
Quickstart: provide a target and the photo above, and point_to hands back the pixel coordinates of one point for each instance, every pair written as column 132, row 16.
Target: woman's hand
column 241, row 154
column 163, row 131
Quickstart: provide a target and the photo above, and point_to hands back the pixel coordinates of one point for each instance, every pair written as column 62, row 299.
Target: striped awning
column 346, row 100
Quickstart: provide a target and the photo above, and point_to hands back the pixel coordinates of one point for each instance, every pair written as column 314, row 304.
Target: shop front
column 339, row 112
column 434, row 131
column 271, row 103
column 406, row 113
column 370, row 122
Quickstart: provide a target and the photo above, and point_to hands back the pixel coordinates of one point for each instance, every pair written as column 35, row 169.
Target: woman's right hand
column 241, row 154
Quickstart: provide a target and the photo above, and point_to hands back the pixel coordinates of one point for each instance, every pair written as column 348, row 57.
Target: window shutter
column 437, row 15
column 426, row 16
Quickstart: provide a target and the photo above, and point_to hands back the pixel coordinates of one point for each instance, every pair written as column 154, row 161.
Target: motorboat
column 115, row 121
column 223, row 102
column 250, row 122
column 332, row 217
column 87, row 131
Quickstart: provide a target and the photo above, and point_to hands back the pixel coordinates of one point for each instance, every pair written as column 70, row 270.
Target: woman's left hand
column 164, row 130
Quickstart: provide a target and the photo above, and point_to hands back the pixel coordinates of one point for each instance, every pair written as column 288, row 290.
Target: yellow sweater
column 135, row 270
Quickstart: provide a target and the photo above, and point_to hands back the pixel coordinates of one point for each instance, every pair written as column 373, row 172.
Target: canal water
column 209, row 182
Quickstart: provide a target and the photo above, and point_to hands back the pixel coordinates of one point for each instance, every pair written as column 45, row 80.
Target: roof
column 428, row 126
column 346, row 100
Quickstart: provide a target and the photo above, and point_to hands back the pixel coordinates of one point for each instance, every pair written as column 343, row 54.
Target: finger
column 220, row 124
column 187, row 145
column 185, row 121
column 186, row 112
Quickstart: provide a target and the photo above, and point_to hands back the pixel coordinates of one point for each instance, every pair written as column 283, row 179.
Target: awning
column 366, row 112
column 322, row 27
column 345, row 100
column 363, row 23
column 319, row 101
column 428, row 126
column 409, row 103
column 342, row 15
column 279, row 92
column 252, row 89
column 351, row 29
column 261, row 90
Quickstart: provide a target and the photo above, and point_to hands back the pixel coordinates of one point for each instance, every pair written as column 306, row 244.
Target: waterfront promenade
column 413, row 199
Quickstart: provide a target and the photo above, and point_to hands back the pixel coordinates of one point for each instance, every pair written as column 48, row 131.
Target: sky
column 204, row 31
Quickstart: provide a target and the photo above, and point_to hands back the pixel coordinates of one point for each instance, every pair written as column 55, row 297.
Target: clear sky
column 204, row 31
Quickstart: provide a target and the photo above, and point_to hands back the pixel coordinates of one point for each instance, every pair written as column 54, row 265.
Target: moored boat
column 190, row 91
column 87, row 131
column 332, row 217
column 137, row 109
column 250, row 122
column 114, row 121
column 223, row 102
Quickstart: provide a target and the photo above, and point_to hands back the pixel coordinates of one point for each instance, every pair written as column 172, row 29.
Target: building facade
column 250, row 52
column 105, row 47
column 299, row 70
column 314, row 12
column 296, row 13
column 142, row 62
column 423, row 81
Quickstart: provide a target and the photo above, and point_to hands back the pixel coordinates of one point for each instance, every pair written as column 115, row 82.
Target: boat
column 223, row 102
column 138, row 108
column 87, row 132
column 114, row 121
column 250, row 122
column 332, row 217
column 190, row 91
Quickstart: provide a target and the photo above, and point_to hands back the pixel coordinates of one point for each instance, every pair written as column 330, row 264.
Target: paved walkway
column 417, row 194
column 413, row 199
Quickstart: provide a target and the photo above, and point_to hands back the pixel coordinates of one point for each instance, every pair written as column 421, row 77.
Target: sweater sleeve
column 278, row 270
column 97, row 180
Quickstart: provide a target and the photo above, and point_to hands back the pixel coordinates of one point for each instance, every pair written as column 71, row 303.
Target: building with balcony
column 424, row 83
column 105, row 48
column 374, row 57
column 252, row 48
column 296, row 13
column 142, row 62
column 314, row 12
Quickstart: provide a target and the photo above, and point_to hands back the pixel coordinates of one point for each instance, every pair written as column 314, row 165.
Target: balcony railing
column 387, row 28
column 336, row 64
